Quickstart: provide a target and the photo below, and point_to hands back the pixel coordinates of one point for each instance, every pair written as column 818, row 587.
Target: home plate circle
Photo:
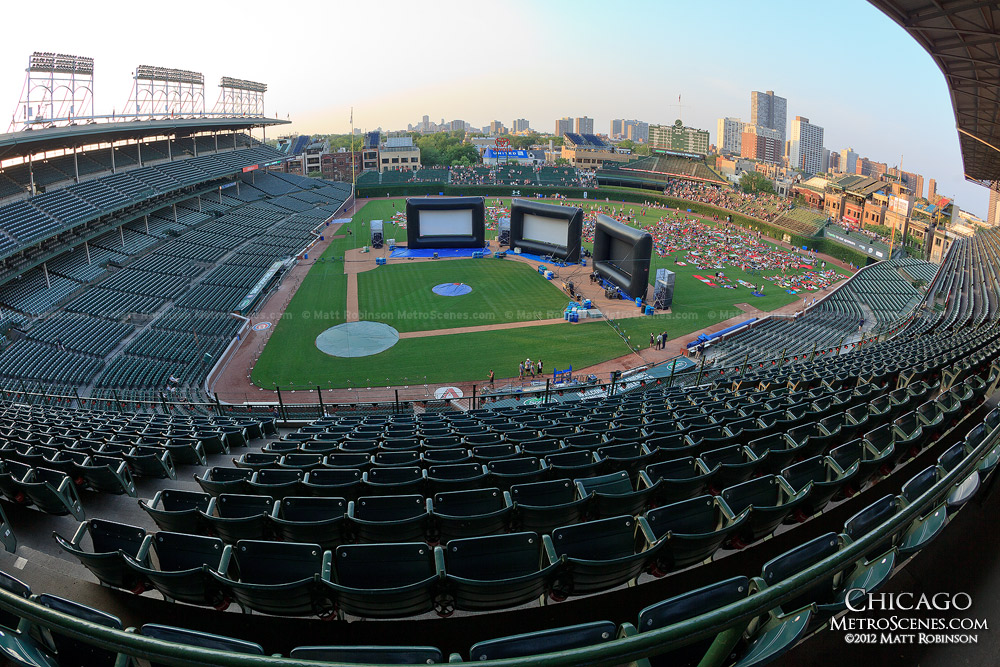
column 448, row 393
column 261, row 326
column 451, row 289
column 357, row 339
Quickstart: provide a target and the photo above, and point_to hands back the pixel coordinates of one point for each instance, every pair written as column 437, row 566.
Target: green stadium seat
column 309, row 519
column 17, row 587
column 219, row 480
column 471, row 513
column 598, row 555
column 384, row 518
column 731, row 465
column 281, row 578
column 455, row 477
column 177, row 510
column 108, row 541
column 544, row 641
column 829, row 594
column 150, row 462
column 17, row 648
column 772, row 501
column 335, row 482
column 384, row 580
column 206, row 640
column 384, row 655
column 51, row 492
column 826, row 478
column 385, row 480
column 276, row 482
column 235, row 517
column 496, row 571
column 676, row 480
column 613, row 495
column 70, row 651
column 573, row 464
column 542, row 506
column 689, row 605
column 181, row 567
column 691, row 530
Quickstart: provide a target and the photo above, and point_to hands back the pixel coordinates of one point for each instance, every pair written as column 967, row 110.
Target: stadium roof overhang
column 17, row 144
column 963, row 38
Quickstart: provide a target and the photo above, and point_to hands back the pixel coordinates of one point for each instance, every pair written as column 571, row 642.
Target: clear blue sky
column 842, row 64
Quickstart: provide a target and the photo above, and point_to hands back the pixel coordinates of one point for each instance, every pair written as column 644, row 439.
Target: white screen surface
column 545, row 230
column 457, row 222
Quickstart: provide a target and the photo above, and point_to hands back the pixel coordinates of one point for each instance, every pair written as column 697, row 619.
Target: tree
column 754, row 181
column 562, row 162
column 315, row 174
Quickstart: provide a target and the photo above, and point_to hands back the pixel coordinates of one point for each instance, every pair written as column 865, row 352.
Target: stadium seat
column 471, row 513
column 281, row 578
column 772, row 501
column 676, row 480
column 613, row 495
column 385, row 518
column 17, row 587
column 151, row 462
column 544, row 641
column 507, row 472
column 689, row 605
column 829, row 594
column 108, row 541
column 869, row 459
column 51, row 492
column 206, row 640
column 276, row 482
column 731, row 465
column 335, row 482
column 70, row 651
column 598, row 555
column 542, row 506
column 496, row 571
column 401, row 480
column 180, row 567
column 384, row 580
column 385, row 655
column 691, row 530
column 826, row 478
column 177, row 510
column 313, row 520
column 235, row 517
column 219, row 480
column 18, row 648
column 455, row 477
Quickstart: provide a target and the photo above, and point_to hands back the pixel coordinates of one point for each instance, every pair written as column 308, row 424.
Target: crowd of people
column 763, row 206
column 521, row 175
column 714, row 248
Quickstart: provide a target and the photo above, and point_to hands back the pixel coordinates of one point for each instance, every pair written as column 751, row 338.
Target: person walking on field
column 539, row 366
column 659, row 341
column 520, row 370
column 652, row 339
column 491, row 377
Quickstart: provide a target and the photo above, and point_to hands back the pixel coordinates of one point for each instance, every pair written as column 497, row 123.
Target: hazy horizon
column 844, row 65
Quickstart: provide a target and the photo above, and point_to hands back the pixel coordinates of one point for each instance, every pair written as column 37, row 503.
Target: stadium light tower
column 58, row 90
column 239, row 97
column 163, row 92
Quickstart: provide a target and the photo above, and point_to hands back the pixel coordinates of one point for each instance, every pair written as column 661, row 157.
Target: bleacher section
column 655, row 169
column 803, row 221
column 40, row 216
column 166, row 286
column 511, row 174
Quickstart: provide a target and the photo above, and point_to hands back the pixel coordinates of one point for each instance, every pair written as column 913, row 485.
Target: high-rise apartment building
column 563, row 125
column 729, row 136
column 617, row 128
column 932, row 190
column 636, row 130
column 520, row 125
column 769, row 110
column 497, row 128
column 762, row 143
column 848, row 161
column 585, row 125
column 806, row 149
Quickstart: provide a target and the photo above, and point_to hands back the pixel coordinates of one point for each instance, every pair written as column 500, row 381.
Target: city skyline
column 543, row 80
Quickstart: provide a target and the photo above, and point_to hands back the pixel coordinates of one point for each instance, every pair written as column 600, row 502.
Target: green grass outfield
column 291, row 359
column 401, row 294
